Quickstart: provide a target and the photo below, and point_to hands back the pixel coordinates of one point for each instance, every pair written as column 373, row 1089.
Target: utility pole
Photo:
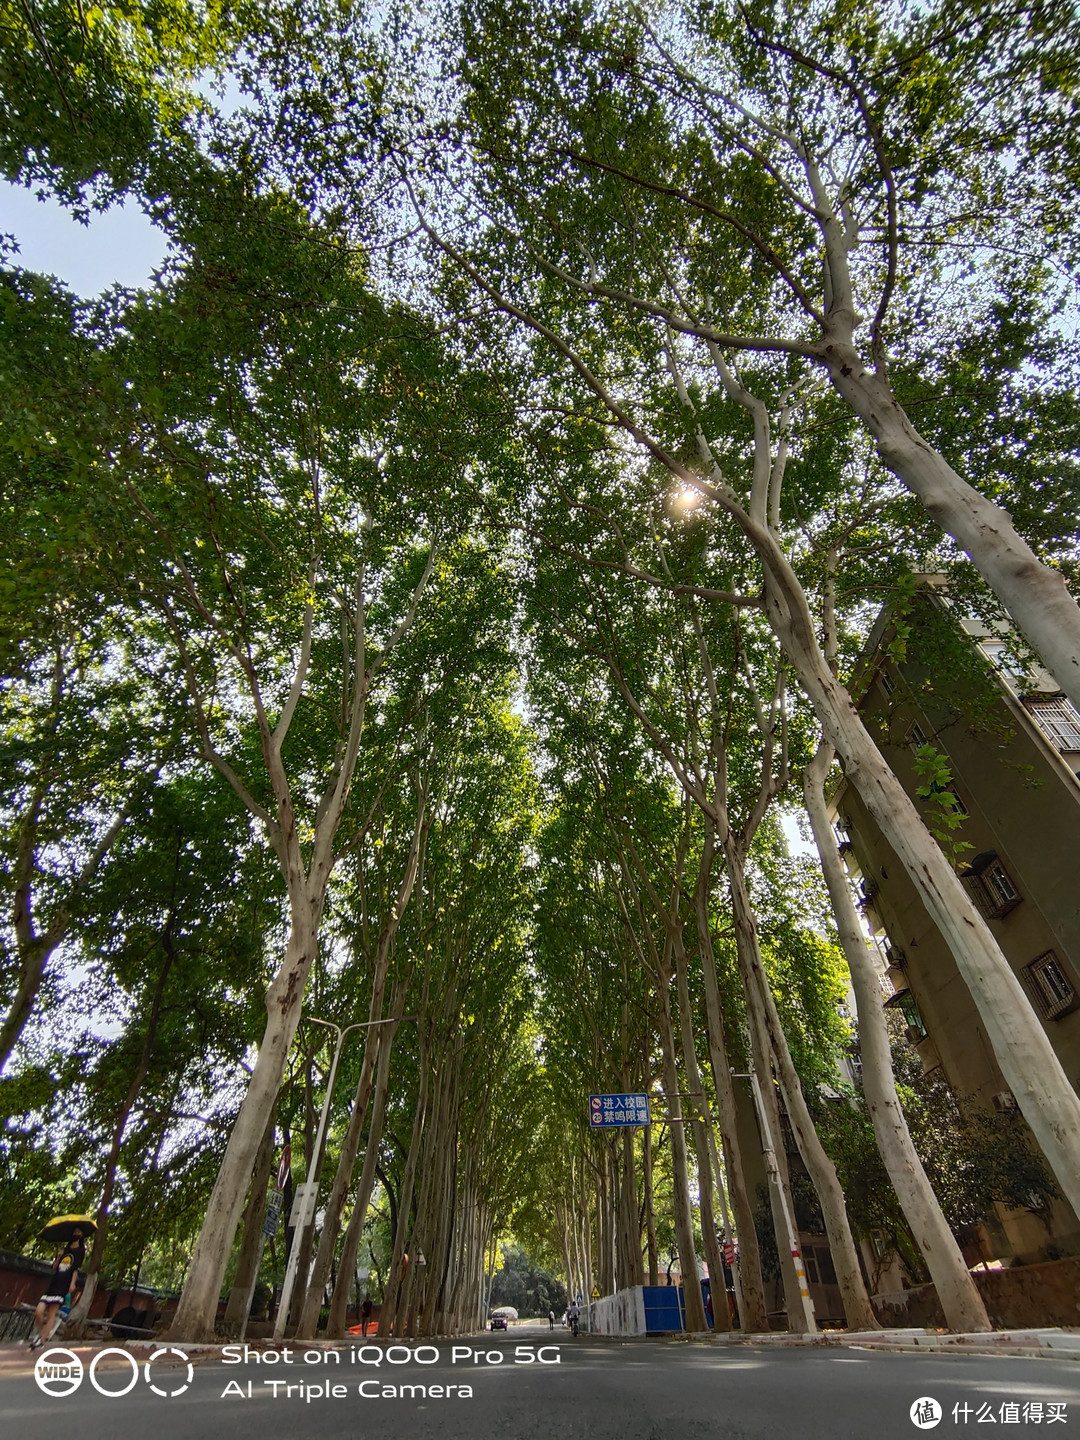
column 310, row 1194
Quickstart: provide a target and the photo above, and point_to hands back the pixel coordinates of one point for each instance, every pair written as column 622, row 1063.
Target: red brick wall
column 23, row 1279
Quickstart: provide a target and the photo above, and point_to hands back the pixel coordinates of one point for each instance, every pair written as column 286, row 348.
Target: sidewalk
column 1049, row 1344
column 1052, row 1343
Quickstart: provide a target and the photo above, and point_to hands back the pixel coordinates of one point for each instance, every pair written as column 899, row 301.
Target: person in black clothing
column 73, row 1297
column 64, row 1274
column 365, row 1314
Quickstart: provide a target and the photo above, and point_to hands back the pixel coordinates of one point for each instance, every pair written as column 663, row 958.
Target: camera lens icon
column 58, row 1372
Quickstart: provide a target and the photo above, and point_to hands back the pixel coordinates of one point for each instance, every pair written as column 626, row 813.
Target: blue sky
column 120, row 246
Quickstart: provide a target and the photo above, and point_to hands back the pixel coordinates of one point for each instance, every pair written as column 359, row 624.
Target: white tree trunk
column 197, row 1311
column 696, row 1320
column 650, row 1215
column 251, row 1244
column 1034, row 595
column 378, row 1036
column 335, row 1201
column 389, row 1315
column 1020, row 1045
column 631, row 1226
column 335, row 1326
column 754, row 1311
column 799, row 1307
column 957, row 1291
column 692, row 1071
column 857, row 1307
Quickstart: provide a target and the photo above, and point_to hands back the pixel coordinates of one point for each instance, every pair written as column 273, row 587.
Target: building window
column 958, row 807
column 818, row 1264
column 916, row 1030
column 1051, row 988
column 990, row 886
column 905, row 1002
column 958, row 804
column 916, row 736
column 887, row 683
column 1003, row 891
column 1058, row 721
column 997, row 652
column 826, row 1268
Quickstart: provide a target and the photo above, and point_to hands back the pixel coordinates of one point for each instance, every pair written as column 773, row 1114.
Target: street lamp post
column 311, row 1185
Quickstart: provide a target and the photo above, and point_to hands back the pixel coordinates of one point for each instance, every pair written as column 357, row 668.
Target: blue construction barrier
column 665, row 1307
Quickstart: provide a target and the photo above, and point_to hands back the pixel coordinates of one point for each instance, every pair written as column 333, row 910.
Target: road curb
column 1047, row 1343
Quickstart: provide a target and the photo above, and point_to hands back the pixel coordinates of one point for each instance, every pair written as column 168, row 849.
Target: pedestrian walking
column 365, row 1315
column 65, row 1273
column 551, row 1319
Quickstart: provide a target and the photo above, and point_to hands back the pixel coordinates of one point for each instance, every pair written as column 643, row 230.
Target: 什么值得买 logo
column 925, row 1413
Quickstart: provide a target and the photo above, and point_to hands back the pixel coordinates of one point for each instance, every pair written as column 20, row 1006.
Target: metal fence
column 15, row 1324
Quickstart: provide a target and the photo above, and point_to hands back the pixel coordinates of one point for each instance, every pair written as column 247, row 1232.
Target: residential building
column 936, row 690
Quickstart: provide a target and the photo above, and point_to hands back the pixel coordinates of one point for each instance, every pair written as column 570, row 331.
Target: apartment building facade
column 934, row 687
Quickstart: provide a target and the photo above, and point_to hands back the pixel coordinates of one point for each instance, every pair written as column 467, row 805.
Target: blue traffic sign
column 618, row 1110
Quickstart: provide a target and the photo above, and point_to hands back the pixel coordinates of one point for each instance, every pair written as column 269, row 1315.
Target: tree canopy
column 425, row 600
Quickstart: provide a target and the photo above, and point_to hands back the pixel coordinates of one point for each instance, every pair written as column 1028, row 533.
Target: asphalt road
column 588, row 1389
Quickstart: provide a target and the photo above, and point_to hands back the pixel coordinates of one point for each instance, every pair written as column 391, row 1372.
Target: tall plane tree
column 533, row 250
column 284, row 453
column 773, row 185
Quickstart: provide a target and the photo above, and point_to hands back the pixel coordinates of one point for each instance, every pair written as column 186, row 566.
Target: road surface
column 512, row 1385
